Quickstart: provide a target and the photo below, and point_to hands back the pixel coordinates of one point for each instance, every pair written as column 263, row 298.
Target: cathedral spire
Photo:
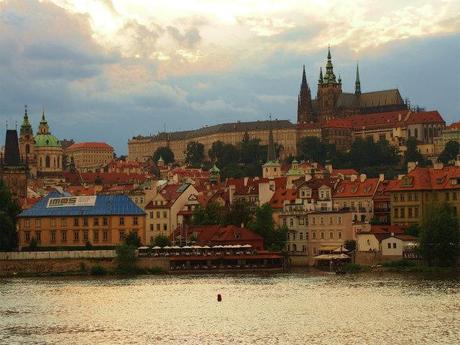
column 357, row 82
column 330, row 76
column 304, row 77
column 26, row 128
column 320, row 79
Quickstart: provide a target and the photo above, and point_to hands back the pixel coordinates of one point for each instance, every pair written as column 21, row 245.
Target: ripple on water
column 278, row 309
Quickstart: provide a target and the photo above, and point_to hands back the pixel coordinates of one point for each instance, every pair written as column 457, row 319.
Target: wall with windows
column 78, row 231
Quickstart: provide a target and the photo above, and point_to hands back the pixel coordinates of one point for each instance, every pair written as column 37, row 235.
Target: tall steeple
column 329, row 78
column 304, row 106
column 26, row 128
column 271, row 153
column 320, row 79
column 357, row 82
column 43, row 128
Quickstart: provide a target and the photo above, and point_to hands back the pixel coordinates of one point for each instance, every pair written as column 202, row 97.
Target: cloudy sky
column 107, row 70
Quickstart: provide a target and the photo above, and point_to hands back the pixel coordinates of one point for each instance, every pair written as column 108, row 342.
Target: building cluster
column 79, row 194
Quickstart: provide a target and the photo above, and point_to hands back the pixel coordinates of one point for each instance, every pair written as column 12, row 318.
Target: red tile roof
column 337, row 123
column 428, row 179
column 90, row 145
column 345, row 172
column 281, row 195
column 455, row 125
column 347, row 188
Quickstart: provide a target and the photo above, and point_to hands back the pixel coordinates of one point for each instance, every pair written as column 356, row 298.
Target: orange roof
column 90, row 145
column 356, row 188
column 337, row 123
column 345, row 172
column 281, row 195
column 454, row 125
column 428, row 179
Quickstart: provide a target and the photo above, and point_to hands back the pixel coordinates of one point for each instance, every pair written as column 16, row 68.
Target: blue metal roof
column 106, row 205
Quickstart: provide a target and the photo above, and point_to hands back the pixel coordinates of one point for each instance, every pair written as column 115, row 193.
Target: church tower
column 26, row 140
column 329, row 90
column 272, row 167
column 304, row 105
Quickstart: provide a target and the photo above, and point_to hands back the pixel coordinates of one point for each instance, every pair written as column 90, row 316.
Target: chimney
column 411, row 166
column 457, row 161
column 245, row 179
column 329, row 168
column 353, row 178
column 381, row 177
column 362, row 177
column 399, row 117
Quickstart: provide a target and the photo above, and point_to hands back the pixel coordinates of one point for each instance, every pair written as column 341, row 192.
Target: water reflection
column 279, row 309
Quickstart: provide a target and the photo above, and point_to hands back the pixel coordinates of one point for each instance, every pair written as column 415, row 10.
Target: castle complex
column 334, row 116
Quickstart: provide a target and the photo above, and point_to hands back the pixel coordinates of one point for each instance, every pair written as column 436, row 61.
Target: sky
column 109, row 70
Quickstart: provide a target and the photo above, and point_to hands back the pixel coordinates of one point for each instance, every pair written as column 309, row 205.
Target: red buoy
column 219, row 298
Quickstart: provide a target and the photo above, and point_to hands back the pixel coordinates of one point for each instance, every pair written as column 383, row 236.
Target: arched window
column 47, row 161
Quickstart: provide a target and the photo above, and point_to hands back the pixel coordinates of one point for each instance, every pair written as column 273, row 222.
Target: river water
column 273, row 309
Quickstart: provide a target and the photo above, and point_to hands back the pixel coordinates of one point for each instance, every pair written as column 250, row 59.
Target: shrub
column 98, row 271
column 399, row 264
column 156, row 270
column 353, row 268
column 126, row 259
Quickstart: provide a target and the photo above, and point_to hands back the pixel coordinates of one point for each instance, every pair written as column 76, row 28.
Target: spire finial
column 304, row 77
column 357, row 81
column 329, row 52
column 320, row 79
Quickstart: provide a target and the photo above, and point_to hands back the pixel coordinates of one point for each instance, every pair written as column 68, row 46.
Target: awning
column 332, row 257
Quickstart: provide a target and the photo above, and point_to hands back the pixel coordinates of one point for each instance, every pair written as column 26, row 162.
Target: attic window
column 440, row 180
column 407, row 181
column 367, row 189
column 354, row 189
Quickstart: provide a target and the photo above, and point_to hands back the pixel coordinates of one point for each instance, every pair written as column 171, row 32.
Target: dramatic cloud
column 108, row 70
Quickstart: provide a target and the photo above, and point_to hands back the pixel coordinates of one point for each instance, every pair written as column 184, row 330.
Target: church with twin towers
column 332, row 102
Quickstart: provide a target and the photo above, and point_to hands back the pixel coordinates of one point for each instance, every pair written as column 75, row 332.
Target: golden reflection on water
column 278, row 309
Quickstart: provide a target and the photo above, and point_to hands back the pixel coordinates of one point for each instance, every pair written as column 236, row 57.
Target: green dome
column 46, row 140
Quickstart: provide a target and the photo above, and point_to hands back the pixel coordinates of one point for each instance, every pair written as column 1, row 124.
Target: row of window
column 77, row 221
column 158, row 214
column 400, row 212
column 158, row 226
column 75, row 236
column 292, row 236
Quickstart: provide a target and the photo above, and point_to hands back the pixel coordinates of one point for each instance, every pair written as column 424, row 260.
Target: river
column 289, row 308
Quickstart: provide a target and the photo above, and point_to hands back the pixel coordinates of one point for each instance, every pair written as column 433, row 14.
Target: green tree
column 126, row 258
column 312, row 149
column 263, row 224
column 209, row 215
column 162, row 241
column 450, row 152
column 223, row 154
column 350, row 245
column 9, row 209
column 194, row 154
column 133, row 239
column 439, row 236
column 413, row 230
column 412, row 154
column 164, row 152
column 240, row 212
column 251, row 151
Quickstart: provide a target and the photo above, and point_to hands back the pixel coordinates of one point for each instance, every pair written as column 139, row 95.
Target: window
column 53, row 236
column 409, row 212
column 284, row 221
column 330, row 220
column 165, row 227
column 301, row 236
column 76, row 236
column 301, row 221
column 121, row 234
column 340, row 235
column 331, row 235
column 85, row 221
column 122, row 221
column 85, row 235
column 403, row 213
column 396, row 212
column 105, row 235
column 75, row 222
column 322, row 235
column 394, row 245
column 27, row 236
column 53, row 222
column 135, row 220
column 313, row 235
column 339, row 220
column 96, row 235
column 151, row 214
column 454, row 196
column 321, row 220
column 158, row 227
column 401, row 197
column 158, row 214
column 38, row 236
column 165, row 214
column 151, row 227
column 64, row 236
column 37, row 223
column 416, row 212
column 27, row 223
column 96, row 221
column 389, row 245
column 105, row 221
column 291, row 222
column 313, row 220
column 395, row 197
